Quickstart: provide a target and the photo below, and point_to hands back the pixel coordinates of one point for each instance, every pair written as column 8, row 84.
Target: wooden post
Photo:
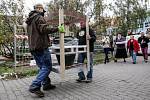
column 87, row 42
column 15, row 61
column 62, row 53
column 67, row 30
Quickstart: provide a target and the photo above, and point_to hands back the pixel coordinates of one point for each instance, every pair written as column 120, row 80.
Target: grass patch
column 5, row 68
column 30, row 72
column 98, row 58
column 7, row 71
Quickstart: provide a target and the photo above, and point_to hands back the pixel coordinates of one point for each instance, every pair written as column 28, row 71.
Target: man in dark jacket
column 38, row 31
column 81, row 35
column 143, row 40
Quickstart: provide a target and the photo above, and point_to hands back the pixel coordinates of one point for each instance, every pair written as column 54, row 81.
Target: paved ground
column 113, row 81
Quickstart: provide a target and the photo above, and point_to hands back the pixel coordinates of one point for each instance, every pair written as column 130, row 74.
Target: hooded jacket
column 38, row 31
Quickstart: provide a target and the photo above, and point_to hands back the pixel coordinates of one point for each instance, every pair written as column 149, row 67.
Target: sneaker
column 146, row 61
column 115, row 60
column 37, row 92
column 89, row 80
column 134, row 62
column 124, row 60
column 80, row 80
column 107, row 61
column 49, row 87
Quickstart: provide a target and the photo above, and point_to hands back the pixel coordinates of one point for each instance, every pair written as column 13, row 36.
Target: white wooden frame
column 62, row 47
column 72, row 49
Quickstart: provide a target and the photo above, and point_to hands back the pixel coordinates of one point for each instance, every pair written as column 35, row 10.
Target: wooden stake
column 62, row 53
column 15, row 46
column 67, row 30
column 87, row 42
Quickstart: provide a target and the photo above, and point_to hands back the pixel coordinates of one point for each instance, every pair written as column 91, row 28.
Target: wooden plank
column 70, row 49
column 67, row 30
column 87, row 41
column 62, row 54
column 15, row 46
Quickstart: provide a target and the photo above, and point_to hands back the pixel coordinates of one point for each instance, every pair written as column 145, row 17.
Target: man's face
column 142, row 34
column 131, row 37
column 40, row 9
column 119, row 35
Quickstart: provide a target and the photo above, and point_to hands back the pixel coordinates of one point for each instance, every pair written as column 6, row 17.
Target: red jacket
column 135, row 45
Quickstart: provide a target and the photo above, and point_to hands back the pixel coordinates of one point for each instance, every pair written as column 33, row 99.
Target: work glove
column 61, row 28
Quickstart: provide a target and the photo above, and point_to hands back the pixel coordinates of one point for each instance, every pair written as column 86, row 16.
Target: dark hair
column 119, row 33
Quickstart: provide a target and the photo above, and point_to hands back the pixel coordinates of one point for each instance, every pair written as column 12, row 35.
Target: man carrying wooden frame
column 87, row 37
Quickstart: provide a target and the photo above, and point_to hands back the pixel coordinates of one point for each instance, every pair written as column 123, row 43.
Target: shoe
column 146, row 61
column 134, row 62
column 115, row 60
column 48, row 87
column 80, row 80
column 89, row 80
column 37, row 92
column 107, row 61
column 124, row 60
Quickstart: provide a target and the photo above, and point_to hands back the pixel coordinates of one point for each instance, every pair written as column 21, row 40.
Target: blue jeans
column 133, row 54
column 81, row 58
column 43, row 61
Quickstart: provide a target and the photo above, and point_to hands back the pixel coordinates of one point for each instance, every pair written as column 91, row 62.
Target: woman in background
column 107, row 48
column 121, row 48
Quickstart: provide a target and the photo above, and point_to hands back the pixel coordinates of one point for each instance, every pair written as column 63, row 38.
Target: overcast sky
column 30, row 3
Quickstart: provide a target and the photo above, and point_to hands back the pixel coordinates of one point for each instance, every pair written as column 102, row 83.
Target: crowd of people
column 122, row 48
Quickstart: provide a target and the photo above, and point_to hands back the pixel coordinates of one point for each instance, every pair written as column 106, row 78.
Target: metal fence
column 22, row 56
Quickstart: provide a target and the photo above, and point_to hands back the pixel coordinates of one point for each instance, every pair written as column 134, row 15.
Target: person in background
column 111, row 46
column 133, row 47
column 38, row 38
column 120, row 47
column 107, row 48
column 81, row 36
column 143, row 40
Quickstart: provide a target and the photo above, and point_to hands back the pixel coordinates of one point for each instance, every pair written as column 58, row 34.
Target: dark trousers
column 106, row 51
